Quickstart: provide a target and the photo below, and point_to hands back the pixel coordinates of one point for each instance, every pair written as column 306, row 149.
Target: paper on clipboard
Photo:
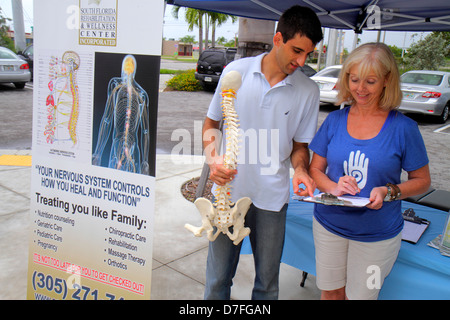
column 413, row 231
column 327, row 199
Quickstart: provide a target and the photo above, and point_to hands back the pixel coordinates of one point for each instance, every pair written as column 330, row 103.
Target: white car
column 13, row 69
column 326, row 80
column 426, row 92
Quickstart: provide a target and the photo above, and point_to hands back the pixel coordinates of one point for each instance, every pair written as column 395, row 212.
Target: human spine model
column 224, row 213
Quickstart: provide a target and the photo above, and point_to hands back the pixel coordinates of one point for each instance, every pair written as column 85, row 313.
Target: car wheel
column 444, row 115
column 19, row 85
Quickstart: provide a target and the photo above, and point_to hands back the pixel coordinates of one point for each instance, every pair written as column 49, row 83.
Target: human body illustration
column 361, row 150
column 63, row 102
column 126, row 110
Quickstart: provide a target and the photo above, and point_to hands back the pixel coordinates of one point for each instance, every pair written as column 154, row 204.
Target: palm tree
column 195, row 17
column 216, row 20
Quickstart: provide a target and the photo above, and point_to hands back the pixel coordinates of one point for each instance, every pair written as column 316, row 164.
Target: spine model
column 224, row 214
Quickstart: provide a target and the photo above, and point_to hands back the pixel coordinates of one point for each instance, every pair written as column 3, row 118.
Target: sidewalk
column 179, row 258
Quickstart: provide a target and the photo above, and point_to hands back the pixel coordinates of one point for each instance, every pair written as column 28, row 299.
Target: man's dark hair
column 302, row 20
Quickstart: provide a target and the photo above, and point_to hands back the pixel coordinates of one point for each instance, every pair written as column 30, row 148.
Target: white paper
column 413, row 231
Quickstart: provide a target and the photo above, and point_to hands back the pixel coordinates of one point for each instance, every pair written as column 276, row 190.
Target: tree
column 427, row 54
column 203, row 19
column 194, row 18
column 396, row 51
column 5, row 41
column 221, row 40
column 187, row 39
column 216, row 20
column 446, row 36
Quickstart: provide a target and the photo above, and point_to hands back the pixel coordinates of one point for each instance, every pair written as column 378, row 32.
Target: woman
column 361, row 151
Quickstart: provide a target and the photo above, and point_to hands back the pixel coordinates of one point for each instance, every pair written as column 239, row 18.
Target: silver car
column 326, row 80
column 426, row 92
column 13, row 69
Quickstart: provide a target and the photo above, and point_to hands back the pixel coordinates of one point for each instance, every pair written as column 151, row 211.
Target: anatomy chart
column 94, row 148
column 65, row 103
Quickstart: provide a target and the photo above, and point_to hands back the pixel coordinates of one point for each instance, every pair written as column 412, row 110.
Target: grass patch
column 170, row 71
column 183, row 59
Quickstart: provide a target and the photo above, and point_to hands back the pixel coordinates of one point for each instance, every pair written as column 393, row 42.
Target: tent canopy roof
column 357, row 15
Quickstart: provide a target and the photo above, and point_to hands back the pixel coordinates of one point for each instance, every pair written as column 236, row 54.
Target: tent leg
column 304, row 276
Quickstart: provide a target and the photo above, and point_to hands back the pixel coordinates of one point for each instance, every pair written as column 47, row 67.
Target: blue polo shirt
column 271, row 118
column 373, row 162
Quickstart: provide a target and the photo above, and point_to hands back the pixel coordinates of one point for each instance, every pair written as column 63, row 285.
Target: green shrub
column 185, row 81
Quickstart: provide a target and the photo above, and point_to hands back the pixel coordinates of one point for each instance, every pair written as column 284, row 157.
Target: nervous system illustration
column 126, row 113
column 63, row 102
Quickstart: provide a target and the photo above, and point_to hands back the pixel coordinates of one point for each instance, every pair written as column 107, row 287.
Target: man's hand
column 303, row 178
column 300, row 163
column 218, row 173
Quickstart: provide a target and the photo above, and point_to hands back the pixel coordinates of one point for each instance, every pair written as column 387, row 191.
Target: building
column 172, row 48
column 28, row 37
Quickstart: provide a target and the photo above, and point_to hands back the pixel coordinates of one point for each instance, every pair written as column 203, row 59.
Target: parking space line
column 442, row 129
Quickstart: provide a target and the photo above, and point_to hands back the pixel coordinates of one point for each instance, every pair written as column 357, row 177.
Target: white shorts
column 358, row 266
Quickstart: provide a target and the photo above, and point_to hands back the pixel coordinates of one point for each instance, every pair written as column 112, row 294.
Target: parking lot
column 180, row 113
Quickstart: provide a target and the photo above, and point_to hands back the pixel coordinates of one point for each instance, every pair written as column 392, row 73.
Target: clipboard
column 414, row 226
column 331, row 200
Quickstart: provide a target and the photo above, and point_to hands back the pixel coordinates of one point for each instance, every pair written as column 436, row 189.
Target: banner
column 96, row 80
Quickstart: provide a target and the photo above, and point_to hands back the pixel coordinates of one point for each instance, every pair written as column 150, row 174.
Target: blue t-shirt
column 373, row 162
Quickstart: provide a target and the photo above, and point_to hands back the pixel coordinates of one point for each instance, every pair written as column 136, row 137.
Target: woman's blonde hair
column 377, row 58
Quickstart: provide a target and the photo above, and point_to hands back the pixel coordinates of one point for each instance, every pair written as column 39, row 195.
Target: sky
column 176, row 29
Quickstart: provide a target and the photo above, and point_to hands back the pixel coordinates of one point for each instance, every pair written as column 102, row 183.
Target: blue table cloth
column 420, row 271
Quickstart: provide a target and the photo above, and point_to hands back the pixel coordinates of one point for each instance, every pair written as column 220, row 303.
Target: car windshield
column 29, row 51
column 331, row 73
column 422, row 78
column 230, row 55
column 7, row 55
column 213, row 56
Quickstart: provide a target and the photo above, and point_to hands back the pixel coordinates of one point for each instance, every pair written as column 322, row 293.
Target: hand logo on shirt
column 357, row 167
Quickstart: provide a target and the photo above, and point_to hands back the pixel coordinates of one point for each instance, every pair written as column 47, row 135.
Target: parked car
column 426, row 92
column 13, row 69
column 326, row 80
column 308, row 70
column 27, row 55
column 210, row 65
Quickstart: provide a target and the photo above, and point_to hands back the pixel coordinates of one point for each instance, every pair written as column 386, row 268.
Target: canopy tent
column 357, row 15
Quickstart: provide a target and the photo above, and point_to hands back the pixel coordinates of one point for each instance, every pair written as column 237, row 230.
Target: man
column 278, row 106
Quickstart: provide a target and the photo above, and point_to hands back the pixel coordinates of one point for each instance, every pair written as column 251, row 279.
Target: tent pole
column 355, row 41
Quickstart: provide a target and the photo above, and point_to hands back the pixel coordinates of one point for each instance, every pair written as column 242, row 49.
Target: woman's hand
column 346, row 185
column 376, row 198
